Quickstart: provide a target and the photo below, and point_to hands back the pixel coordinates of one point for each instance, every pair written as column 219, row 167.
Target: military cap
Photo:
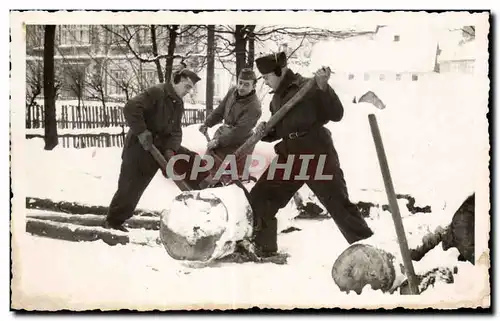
column 188, row 73
column 247, row 74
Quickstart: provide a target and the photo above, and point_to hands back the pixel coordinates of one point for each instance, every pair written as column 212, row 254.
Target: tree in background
column 209, row 99
column 50, row 125
column 34, row 86
column 156, row 38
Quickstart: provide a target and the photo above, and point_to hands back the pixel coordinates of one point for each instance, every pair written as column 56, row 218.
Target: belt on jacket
column 295, row 135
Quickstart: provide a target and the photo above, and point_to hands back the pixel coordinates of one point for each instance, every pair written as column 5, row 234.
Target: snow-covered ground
column 435, row 136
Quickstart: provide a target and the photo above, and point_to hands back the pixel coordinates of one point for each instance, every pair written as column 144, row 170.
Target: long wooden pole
column 393, row 204
column 162, row 162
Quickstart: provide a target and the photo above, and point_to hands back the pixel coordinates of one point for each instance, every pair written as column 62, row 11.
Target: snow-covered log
column 74, row 233
column 135, row 222
column 206, row 225
column 77, row 208
column 377, row 261
column 364, row 264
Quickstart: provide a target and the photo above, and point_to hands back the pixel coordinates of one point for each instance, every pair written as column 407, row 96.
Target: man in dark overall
column 154, row 117
column 240, row 110
column 302, row 133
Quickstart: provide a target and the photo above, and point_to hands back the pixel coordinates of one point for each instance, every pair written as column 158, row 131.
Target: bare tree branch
column 300, row 45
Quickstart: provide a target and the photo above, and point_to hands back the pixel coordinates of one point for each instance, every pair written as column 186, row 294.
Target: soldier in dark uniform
column 302, row 132
column 154, row 117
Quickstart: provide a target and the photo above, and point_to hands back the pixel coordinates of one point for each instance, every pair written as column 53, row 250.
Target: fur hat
column 269, row 63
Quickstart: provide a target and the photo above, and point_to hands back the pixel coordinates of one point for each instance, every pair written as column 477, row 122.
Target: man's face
column 245, row 87
column 271, row 80
column 183, row 87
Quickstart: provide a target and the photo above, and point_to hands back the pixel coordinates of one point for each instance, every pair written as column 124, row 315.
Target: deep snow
column 436, row 142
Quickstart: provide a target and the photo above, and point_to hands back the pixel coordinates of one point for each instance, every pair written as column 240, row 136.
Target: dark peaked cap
column 191, row 75
column 269, row 63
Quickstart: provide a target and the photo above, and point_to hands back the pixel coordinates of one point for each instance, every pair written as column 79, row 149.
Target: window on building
column 144, row 35
column 398, row 76
column 217, row 85
column 470, row 67
column 149, row 78
column 351, row 77
column 115, row 82
column 180, row 36
column 382, row 77
column 74, row 35
column 414, row 77
column 34, row 36
column 75, row 78
column 116, row 34
column 367, row 76
column 396, row 38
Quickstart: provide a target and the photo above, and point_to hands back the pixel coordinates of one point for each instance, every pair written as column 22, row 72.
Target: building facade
column 114, row 61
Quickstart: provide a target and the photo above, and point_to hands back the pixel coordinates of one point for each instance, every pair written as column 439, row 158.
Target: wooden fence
column 86, row 140
column 69, row 116
column 87, row 117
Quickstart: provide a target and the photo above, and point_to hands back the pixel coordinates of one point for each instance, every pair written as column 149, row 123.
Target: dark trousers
column 137, row 170
column 270, row 195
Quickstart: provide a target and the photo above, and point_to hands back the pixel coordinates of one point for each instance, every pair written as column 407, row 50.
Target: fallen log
column 136, row 222
column 76, row 208
column 206, row 225
column 363, row 264
column 376, row 261
column 74, row 233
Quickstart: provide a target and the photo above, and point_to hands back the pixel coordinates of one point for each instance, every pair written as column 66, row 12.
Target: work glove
column 322, row 76
column 169, row 154
column 261, row 127
column 203, row 129
column 146, row 139
column 212, row 144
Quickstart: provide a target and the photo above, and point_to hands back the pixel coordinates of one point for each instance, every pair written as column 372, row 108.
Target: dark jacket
column 159, row 110
column 240, row 115
column 314, row 110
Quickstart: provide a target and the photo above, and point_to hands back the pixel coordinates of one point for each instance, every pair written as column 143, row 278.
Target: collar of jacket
column 169, row 89
column 288, row 80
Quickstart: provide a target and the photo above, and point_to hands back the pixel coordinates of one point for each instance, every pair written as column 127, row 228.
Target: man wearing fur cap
column 302, row 133
column 240, row 110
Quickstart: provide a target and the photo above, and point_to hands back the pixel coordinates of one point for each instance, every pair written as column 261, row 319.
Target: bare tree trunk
column 48, row 88
column 127, row 95
column 172, row 38
column 155, row 53
column 210, row 69
column 251, row 46
column 240, row 48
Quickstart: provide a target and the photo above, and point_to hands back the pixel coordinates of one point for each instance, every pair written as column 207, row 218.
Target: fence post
column 65, row 113
column 94, row 118
column 72, row 117
column 36, row 122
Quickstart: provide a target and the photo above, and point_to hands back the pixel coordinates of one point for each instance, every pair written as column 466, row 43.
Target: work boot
column 253, row 250
column 110, row 225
